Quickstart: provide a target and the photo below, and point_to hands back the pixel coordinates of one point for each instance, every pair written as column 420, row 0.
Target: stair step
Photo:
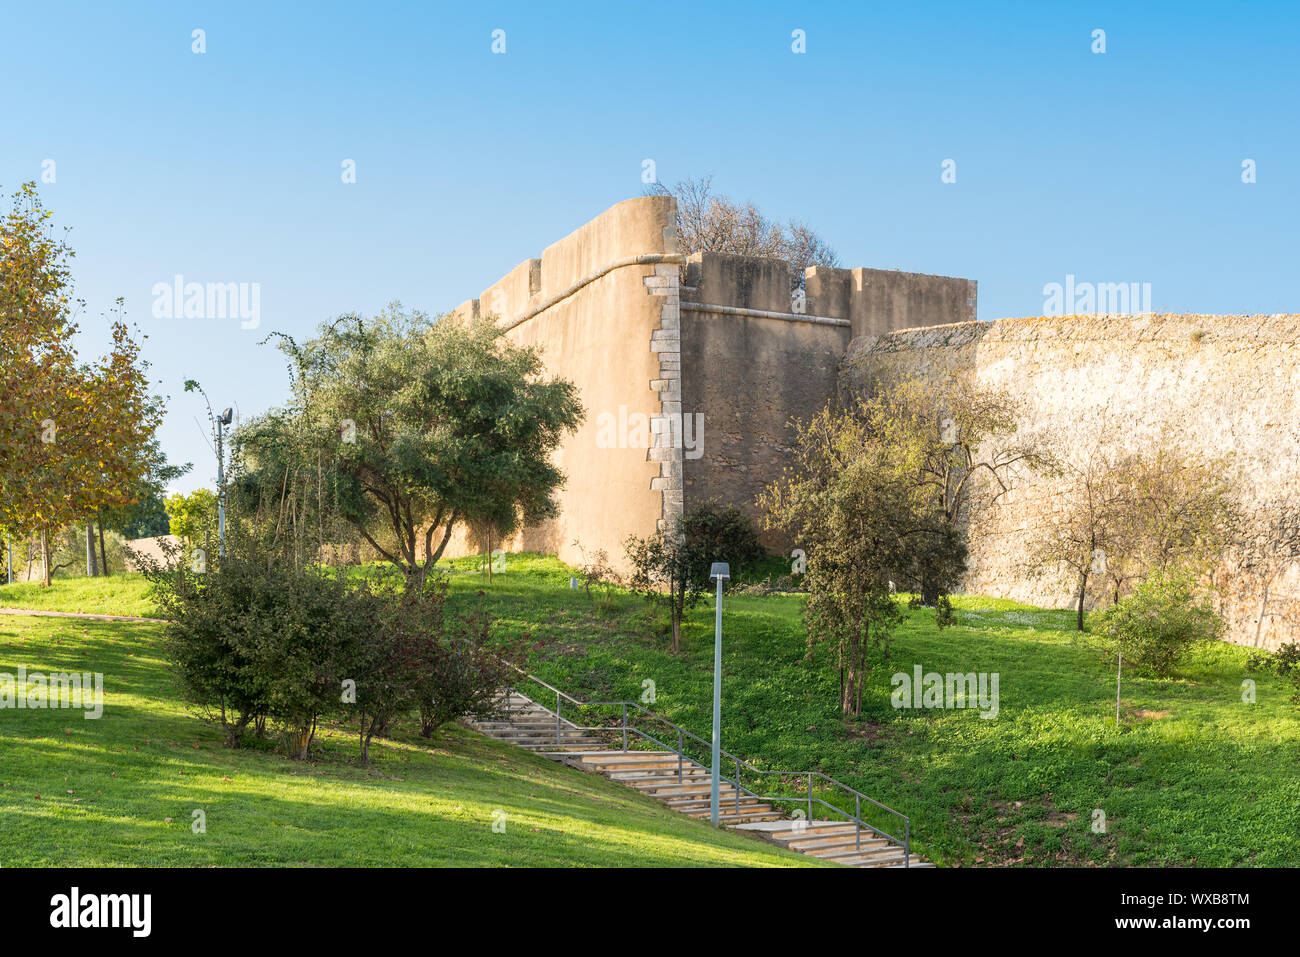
column 675, row 790
column 684, row 786
column 692, row 800
column 810, row 832
column 723, row 814
column 878, row 851
column 814, row 844
column 893, row 860
column 658, row 774
column 852, row 850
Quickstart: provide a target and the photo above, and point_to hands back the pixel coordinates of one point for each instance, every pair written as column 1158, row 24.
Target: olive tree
column 419, row 425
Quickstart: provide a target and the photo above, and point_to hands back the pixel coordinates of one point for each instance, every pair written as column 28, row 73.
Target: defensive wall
column 690, row 368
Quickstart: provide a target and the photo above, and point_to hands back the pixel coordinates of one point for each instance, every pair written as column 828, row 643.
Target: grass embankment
column 1193, row 776
column 123, row 789
column 119, row 594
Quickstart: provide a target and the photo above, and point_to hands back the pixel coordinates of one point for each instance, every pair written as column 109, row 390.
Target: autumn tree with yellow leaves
column 74, row 436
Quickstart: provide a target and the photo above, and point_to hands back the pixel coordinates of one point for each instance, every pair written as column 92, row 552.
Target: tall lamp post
column 225, row 418
column 720, row 572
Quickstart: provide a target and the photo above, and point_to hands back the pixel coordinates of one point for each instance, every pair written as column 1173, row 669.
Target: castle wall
column 600, row 306
column 1219, row 384
column 751, row 365
column 708, row 350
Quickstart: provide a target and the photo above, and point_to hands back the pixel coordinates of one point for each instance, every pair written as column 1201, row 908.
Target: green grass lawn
column 121, row 790
column 1193, row 776
column 117, row 594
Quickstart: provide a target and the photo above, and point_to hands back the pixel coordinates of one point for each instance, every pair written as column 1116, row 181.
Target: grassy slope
column 100, row 793
column 1194, row 775
column 118, row 594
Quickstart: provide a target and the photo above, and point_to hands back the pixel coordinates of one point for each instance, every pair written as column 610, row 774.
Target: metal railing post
column 810, row 798
column 907, row 843
column 679, row 755
column 857, row 844
column 625, row 726
column 557, row 719
column 737, row 785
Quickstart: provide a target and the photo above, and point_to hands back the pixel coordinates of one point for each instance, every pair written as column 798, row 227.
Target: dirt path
column 77, row 614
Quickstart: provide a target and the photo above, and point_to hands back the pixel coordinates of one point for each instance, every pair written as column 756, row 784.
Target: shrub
column 252, row 638
column 1160, row 621
column 394, row 658
column 205, row 641
column 463, row 677
column 721, row 533
column 597, row 570
column 1285, row 662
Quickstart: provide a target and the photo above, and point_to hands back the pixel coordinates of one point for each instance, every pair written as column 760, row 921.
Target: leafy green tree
column 421, row 425
column 665, row 571
column 852, row 501
column 193, row 517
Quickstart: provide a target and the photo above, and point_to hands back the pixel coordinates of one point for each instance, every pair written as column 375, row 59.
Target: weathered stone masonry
column 1215, row 384
column 642, row 330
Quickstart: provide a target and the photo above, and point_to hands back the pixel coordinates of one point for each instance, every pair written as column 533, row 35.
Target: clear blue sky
column 225, row 166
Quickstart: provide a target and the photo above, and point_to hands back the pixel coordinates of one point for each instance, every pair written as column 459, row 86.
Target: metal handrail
column 738, row 787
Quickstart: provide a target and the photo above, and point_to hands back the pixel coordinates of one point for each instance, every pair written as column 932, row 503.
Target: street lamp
column 225, row 418
column 720, row 572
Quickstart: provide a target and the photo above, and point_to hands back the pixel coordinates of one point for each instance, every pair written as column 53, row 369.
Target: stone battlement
column 691, row 368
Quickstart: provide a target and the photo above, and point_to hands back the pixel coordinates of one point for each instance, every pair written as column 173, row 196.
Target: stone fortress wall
column 1215, row 384
column 691, row 369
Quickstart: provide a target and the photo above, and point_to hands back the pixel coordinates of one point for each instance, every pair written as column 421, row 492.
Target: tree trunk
column 1083, row 590
column 302, row 740
column 103, row 554
column 929, row 591
column 92, row 562
column 45, row 560
column 677, row 629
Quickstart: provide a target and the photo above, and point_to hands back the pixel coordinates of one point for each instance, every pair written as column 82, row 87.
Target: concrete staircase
column 684, row 785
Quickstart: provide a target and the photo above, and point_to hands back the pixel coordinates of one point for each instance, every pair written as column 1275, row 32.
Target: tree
column 422, row 425
column 1087, row 521
column 193, row 517
column 711, row 223
column 852, row 501
column 665, row 570
column 1123, row 516
column 73, row 436
column 971, row 455
column 1183, row 512
column 1267, row 546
